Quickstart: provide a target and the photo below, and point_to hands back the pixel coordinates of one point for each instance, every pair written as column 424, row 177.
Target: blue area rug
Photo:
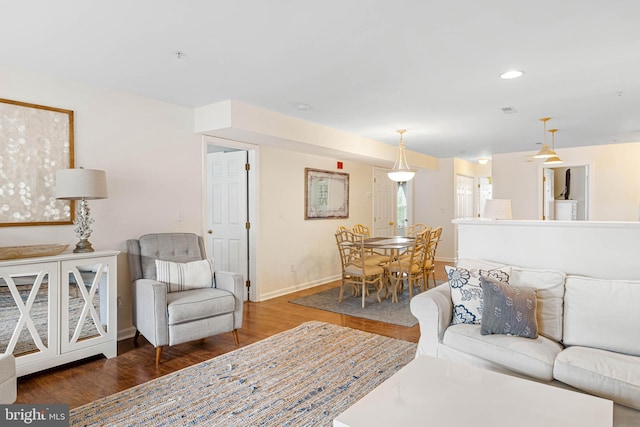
column 385, row 311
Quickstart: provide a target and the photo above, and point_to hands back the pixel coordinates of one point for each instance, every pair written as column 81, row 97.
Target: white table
column 437, row 392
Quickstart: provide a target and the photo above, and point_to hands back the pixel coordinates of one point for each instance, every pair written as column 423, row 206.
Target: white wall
column 614, row 181
column 148, row 149
column 435, row 199
column 286, row 239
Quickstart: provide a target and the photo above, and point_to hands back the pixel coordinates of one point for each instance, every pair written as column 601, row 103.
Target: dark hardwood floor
column 90, row 379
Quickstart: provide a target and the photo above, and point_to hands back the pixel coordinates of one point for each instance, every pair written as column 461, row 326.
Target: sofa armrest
column 234, row 283
column 433, row 309
column 150, row 311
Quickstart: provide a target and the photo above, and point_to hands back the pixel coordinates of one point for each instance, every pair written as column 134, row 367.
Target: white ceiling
column 367, row 67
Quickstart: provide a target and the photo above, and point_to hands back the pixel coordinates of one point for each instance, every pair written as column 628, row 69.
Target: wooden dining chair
column 430, row 262
column 355, row 271
column 414, row 229
column 409, row 267
column 371, row 257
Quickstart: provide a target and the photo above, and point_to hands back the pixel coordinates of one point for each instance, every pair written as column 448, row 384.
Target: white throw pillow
column 183, row 276
column 466, row 291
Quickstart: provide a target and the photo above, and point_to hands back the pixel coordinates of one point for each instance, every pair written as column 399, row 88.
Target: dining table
column 391, row 245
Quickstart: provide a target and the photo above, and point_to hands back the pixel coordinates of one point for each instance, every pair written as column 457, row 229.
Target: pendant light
column 545, row 152
column 401, row 171
column 553, row 160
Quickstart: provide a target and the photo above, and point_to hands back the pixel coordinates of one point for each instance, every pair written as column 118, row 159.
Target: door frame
column 589, row 179
column 253, row 201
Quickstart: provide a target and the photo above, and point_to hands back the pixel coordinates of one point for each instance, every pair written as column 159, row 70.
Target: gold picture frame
column 326, row 194
column 35, row 142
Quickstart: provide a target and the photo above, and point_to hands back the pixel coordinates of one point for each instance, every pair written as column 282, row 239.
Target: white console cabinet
column 58, row 309
column 566, row 210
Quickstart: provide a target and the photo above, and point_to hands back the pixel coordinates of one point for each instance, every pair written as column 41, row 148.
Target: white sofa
column 589, row 335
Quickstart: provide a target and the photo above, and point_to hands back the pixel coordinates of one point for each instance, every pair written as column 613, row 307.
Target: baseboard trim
column 300, row 287
column 127, row 333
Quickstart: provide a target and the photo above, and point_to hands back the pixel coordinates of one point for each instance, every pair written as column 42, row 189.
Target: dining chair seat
column 368, row 270
column 375, row 259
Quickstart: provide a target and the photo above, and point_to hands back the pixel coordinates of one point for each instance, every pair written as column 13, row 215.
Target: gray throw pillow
column 466, row 291
column 508, row 310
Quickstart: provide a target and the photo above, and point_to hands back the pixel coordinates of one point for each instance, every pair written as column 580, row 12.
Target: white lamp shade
column 401, row 171
column 401, row 175
column 497, row 209
column 77, row 184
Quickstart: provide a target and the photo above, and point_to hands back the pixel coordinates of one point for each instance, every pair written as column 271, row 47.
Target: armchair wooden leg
column 235, row 337
column 158, row 354
column 135, row 338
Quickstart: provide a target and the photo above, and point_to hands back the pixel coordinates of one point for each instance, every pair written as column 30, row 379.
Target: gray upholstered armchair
column 163, row 312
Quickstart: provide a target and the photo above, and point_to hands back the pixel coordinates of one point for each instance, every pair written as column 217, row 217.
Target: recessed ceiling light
column 301, row 106
column 511, row 74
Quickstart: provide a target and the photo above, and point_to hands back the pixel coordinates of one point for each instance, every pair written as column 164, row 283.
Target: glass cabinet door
column 85, row 286
column 28, row 300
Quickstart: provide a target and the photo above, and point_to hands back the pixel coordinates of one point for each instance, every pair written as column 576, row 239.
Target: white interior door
column 384, row 204
column 464, row 196
column 227, row 198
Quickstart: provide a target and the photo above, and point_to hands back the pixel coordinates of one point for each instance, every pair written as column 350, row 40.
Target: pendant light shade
column 553, row 160
column 545, row 152
column 401, row 171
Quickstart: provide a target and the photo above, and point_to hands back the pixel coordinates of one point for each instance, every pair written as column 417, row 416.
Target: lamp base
column 83, row 245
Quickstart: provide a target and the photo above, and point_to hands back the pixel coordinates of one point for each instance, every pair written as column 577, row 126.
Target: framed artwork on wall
column 326, row 194
column 35, row 142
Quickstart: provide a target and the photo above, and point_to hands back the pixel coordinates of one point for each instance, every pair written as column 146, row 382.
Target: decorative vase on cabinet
column 58, row 309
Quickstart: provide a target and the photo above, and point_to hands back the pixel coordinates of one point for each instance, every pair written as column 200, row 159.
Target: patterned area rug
column 385, row 311
column 306, row 376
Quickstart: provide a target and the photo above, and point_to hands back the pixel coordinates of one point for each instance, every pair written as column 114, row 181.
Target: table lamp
column 81, row 184
column 497, row 209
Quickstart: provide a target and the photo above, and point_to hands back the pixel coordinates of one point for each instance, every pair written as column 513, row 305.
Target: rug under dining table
column 305, row 376
column 386, row 311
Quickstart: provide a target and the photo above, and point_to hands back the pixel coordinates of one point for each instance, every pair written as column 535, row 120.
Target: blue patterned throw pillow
column 508, row 310
column 466, row 291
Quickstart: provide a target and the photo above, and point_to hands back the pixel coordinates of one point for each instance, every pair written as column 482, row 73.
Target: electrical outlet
column 293, row 268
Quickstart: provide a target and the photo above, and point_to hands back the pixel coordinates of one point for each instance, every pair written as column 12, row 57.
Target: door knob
column 209, row 231
column 390, row 222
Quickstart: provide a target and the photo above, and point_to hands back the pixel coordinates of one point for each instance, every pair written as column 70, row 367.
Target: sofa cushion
column 532, row 357
column 508, row 310
column 182, row 276
column 602, row 373
column 602, row 314
column 549, row 285
column 466, row 291
column 197, row 304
